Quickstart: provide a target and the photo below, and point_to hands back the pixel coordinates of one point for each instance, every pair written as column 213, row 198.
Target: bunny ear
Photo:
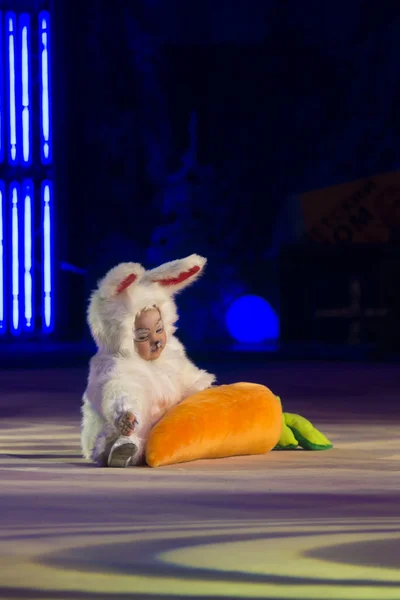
column 125, row 283
column 119, row 279
column 177, row 274
column 103, row 310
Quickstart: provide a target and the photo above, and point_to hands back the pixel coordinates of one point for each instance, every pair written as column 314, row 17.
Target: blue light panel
column 18, row 121
column 27, row 197
column 2, row 295
column 11, row 29
column 25, row 35
column 47, row 258
column 15, row 259
column 45, row 87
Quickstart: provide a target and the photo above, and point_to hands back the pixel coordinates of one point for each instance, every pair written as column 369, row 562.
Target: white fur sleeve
column 113, row 392
column 195, row 379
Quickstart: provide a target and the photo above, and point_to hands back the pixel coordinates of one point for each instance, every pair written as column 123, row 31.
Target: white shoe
column 122, row 453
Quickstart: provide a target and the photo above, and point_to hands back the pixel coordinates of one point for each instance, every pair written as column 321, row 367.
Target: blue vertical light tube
column 46, row 149
column 2, row 261
column 27, row 200
column 14, row 197
column 11, row 32
column 47, row 256
column 1, row 92
column 46, row 158
column 26, row 135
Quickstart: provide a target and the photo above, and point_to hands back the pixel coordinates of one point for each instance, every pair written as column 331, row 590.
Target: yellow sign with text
column 363, row 211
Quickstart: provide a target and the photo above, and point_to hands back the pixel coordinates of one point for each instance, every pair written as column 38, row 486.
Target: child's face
column 150, row 336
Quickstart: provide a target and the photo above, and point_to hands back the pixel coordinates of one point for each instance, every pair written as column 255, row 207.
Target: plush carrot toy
column 228, row 420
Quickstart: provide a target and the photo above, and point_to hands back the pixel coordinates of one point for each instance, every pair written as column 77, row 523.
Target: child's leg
column 103, row 445
column 126, row 451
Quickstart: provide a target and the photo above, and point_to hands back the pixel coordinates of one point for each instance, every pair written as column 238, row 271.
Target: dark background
column 184, row 127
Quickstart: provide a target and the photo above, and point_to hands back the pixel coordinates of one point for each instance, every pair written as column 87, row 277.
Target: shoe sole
column 122, row 456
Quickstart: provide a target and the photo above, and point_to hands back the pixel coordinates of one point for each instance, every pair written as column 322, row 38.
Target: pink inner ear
column 181, row 277
column 125, row 283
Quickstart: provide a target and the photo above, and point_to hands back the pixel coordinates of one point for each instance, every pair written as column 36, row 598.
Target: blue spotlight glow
column 2, row 298
column 24, row 27
column 14, row 197
column 11, row 45
column 47, row 266
column 45, row 87
column 1, row 92
column 27, row 195
column 251, row 319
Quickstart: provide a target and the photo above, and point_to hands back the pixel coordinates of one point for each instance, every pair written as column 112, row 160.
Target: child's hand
column 126, row 423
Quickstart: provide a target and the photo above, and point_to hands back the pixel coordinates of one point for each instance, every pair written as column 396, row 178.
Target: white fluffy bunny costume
column 120, row 380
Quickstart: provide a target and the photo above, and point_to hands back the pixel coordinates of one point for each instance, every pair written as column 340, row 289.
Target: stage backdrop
column 188, row 124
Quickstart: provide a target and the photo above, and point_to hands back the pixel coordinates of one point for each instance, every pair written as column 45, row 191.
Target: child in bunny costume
column 140, row 369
